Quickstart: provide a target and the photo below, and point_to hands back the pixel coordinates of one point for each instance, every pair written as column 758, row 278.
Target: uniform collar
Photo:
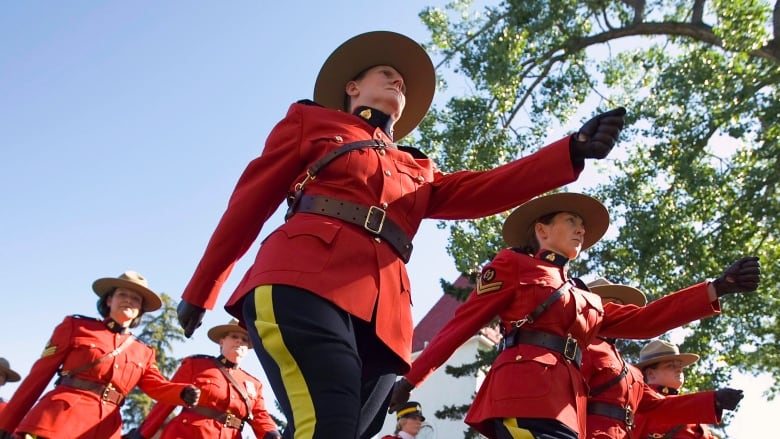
column 376, row 119
column 227, row 363
column 666, row 390
column 553, row 258
column 115, row 327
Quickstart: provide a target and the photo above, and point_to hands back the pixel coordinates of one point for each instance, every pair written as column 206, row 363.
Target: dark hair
column 104, row 310
column 534, row 246
column 358, row 77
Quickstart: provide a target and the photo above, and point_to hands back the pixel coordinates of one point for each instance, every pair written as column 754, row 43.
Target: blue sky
column 125, row 125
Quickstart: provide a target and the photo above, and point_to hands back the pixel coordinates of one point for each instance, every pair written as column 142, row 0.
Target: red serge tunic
column 67, row 412
column 216, row 393
column 701, row 409
column 339, row 261
column 528, row 381
column 602, row 363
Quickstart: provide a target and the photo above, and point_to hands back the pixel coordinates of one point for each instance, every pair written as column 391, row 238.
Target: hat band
column 660, row 354
column 406, row 411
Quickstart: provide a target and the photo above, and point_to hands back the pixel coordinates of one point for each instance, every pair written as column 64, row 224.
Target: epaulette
column 309, row 102
column 416, row 153
column 79, row 316
column 210, row 357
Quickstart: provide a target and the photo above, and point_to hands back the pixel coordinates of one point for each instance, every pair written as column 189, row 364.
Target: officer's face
column 667, row 373
column 234, row 346
column 564, row 235
column 411, row 425
column 380, row 87
column 124, row 305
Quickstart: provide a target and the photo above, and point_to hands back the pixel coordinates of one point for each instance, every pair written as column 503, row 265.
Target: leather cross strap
column 111, row 354
column 238, row 388
column 373, row 219
column 626, row 415
column 595, row 391
column 226, row 419
column 106, row 393
column 566, row 346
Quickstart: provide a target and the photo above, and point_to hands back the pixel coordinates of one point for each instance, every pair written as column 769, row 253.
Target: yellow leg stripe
column 294, row 384
column 515, row 431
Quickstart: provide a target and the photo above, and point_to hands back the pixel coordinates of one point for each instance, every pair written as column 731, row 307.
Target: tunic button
column 420, row 179
column 378, row 136
column 378, row 239
column 339, row 139
column 543, row 283
column 382, row 151
column 388, row 173
column 116, row 366
column 384, row 205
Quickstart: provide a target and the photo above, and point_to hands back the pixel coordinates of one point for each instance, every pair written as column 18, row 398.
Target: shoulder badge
column 486, row 283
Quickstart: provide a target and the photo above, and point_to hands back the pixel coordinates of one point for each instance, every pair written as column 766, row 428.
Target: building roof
column 441, row 313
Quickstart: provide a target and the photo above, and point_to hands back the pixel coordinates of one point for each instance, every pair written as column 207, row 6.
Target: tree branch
column 698, row 12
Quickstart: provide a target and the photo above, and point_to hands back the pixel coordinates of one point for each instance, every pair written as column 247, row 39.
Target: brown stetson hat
column 625, row 294
column 380, row 48
column 593, row 213
column 131, row 280
column 10, row 375
column 217, row 332
column 660, row 350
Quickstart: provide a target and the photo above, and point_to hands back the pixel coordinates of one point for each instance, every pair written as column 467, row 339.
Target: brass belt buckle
column 570, row 348
column 629, row 418
column 229, row 419
column 106, row 391
column 370, row 222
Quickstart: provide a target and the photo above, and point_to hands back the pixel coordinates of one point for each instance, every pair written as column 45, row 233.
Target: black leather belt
column 226, row 419
column 566, row 346
column 106, row 393
column 626, row 415
column 373, row 219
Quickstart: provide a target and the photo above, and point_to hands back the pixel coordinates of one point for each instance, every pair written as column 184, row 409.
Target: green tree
column 159, row 330
column 693, row 184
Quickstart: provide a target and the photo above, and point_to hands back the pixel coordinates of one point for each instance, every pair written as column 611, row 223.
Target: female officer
column 98, row 362
column 327, row 300
column 534, row 387
column 662, row 366
column 617, row 393
column 230, row 397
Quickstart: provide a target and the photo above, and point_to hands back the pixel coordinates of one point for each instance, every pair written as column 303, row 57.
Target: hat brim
column 103, row 286
column 10, row 375
column 593, row 213
column 625, row 294
column 218, row 332
column 686, row 360
column 373, row 49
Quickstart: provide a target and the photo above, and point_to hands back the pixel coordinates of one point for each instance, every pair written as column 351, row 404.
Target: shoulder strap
column 111, row 354
column 595, row 391
column 238, row 387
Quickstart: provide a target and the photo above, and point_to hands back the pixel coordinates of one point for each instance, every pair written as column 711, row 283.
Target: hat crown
column 657, row 348
column 134, row 277
column 600, row 282
column 4, row 363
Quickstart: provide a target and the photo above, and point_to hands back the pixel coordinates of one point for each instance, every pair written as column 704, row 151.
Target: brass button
column 388, row 173
column 384, row 205
column 420, row 178
column 382, row 151
column 339, row 139
column 378, row 239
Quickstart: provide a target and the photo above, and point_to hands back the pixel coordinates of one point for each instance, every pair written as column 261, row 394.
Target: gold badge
column 550, row 257
column 50, row 350
column 366, row 114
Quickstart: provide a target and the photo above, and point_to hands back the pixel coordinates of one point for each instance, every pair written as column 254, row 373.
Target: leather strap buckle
column 629, row 418
column 375, row 220
column 570, row 348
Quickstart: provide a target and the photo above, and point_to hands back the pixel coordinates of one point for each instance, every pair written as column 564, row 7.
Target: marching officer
column 230, row 397
column 410, row 419
column 98, row 362
column 7, row 375
column 662, row 365
column 617, row 393
column 327, row 300
column 535, row 386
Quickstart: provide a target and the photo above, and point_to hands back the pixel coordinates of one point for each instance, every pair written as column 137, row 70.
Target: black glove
column 190, row 317
column 727, row 398
column 597, row 137
column 742, row 276
column 402, row 389
column 190, row 395
column 133, row 434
